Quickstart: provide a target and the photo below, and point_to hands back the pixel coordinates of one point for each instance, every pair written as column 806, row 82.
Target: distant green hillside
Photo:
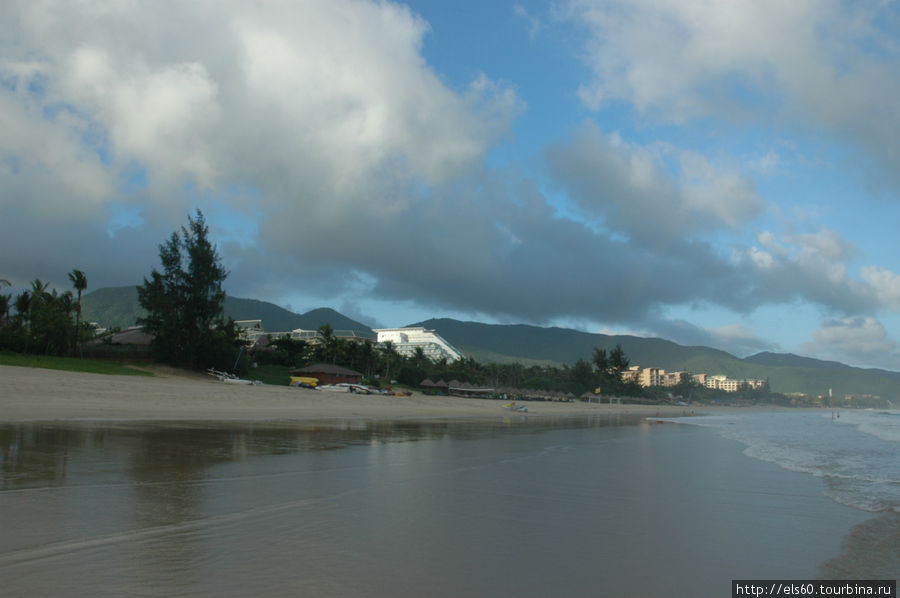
column 119, row 307
column 786, row 373
column 532, row 345
column 562, row 345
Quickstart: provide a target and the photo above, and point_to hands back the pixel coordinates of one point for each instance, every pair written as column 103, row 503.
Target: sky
column 719, row 173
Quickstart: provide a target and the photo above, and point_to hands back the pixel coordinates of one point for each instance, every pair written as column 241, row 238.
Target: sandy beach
column 33, row 394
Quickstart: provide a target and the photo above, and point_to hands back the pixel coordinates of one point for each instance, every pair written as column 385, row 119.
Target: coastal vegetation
column 46, row 322
column 383, row 365
column 529, row 346
column 184, row 303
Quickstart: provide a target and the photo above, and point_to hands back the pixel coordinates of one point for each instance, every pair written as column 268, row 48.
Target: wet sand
column 34, row 394
column 374, row 508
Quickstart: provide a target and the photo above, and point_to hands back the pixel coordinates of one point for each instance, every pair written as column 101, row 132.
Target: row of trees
column 184, row 303
column 45, row 321
column 602, row 374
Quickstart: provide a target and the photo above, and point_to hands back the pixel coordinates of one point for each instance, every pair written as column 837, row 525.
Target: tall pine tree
column 185, row 302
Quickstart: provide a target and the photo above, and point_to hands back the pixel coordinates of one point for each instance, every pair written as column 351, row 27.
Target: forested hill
column 785, row 372
column 530, row 345
column 562, row 345
column 119, row 307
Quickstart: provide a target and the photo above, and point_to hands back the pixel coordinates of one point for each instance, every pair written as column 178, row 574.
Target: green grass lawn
column 69, row 364
column 277, row 375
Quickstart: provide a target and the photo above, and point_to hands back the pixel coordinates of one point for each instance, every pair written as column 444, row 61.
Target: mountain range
column 533, row 345
column 113, row 307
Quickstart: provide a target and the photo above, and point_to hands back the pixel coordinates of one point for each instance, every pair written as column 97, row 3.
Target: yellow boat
column 304, row 381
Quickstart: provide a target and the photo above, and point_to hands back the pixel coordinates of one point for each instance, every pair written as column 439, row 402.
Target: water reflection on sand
column 516, row 506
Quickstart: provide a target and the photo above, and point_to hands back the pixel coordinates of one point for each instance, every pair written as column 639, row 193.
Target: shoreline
column 35, row 394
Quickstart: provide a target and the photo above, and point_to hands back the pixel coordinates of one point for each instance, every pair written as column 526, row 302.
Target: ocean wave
column 855, row 454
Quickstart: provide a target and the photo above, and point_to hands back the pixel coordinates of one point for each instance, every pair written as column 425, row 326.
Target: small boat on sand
column 230, row 378
column 346, row 387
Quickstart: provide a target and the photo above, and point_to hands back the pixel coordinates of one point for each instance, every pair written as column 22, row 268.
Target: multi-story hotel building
column 407, row 340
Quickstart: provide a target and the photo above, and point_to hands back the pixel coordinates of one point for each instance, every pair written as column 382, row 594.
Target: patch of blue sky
column 14, row 81
column 123, row 216
column 37, row 85
column 235, row 215
column 565, row 209
column 815, row 192
column 795, row 324
column 10, row 83
column 354, row 299
column 468, row 39
column 133, row 179
column 97, row 139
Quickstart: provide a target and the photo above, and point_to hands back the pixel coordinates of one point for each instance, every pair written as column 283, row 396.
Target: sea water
column 856, row 454
column 603, row 506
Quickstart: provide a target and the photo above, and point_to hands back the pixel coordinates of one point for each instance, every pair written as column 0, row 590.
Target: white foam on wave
column 882, row 424
column 859, row 469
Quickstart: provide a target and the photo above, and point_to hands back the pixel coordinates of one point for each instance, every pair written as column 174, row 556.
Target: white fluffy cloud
column 628, row 189
column 302, row 117
column 885, row 286
column 810, row 267
column 818, row 64
column 859, row 339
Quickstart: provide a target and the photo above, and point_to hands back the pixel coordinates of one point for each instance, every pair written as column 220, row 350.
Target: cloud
column 811, row 65
column 331, row 159
column 303, row 119
column 856, row 339
column 813, row 267
column 630, row 190
column 532, row 22
column 885, row 286
column 736, row 339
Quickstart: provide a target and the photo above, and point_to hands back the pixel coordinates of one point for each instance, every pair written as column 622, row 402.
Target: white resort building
column 407, row 340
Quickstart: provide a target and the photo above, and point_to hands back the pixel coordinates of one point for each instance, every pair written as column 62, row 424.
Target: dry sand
column 33, row 394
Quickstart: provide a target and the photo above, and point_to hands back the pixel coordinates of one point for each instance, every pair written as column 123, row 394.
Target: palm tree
column 23, row 306
column 23, row 315
column 418, row 357
column 79, row 281
column 38, row 292
column 5, row 301
column 38, row 297
column 366, row 355
column 57, row 339
column 390, row 355
column 328, row 342
column 5, row 304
